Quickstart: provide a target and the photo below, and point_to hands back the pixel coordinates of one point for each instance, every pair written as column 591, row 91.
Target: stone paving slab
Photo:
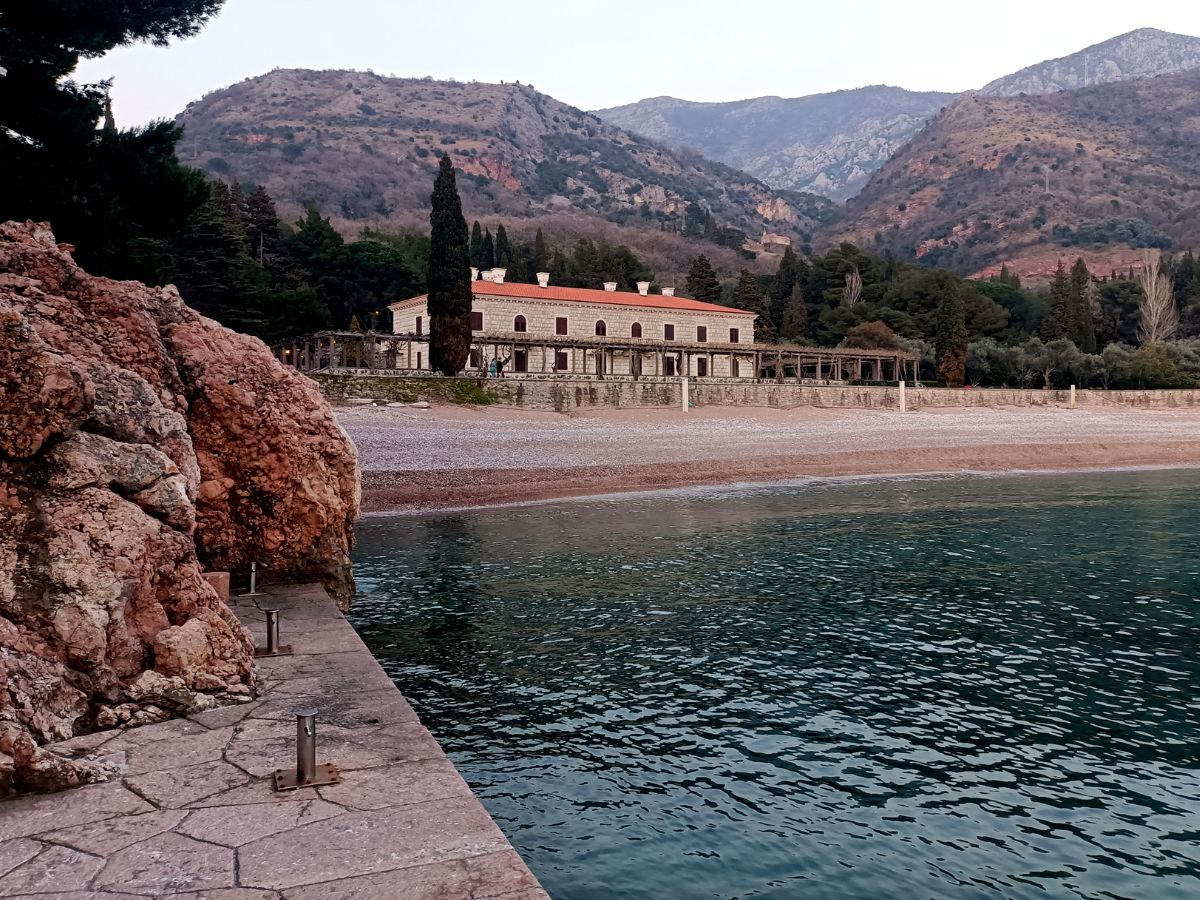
column 194, row 815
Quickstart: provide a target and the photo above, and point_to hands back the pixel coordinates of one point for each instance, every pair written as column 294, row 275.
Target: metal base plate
column 285, row 650
column 326, row 773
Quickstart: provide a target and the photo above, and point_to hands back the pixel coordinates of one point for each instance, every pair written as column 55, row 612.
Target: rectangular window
column 474, row 363
column 702, row 368
column 668, row 332
column 520, row 361
column 418, row 359
column 668, row 366
column 734, row 334
column 419, row 321
column 477, row 321
column 560, row 325
column 733, row 366
column 560, row 360
column 701, row 334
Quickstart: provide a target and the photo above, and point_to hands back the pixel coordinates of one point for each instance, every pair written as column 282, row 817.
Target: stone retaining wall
column 564, row 394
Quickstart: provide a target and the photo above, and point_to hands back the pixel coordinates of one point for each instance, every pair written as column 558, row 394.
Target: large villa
column 540, row 328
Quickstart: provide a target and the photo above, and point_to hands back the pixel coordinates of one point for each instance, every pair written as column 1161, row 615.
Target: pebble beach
column 417, row 460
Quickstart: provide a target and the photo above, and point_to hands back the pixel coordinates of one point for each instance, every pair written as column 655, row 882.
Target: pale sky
column 603, row 54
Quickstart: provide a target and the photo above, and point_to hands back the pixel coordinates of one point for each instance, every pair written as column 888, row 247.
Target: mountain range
column 830, row 144
column 1088, row 154
column 364, row 149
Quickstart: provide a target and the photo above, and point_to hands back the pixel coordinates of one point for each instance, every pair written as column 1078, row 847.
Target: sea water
column 942, row 687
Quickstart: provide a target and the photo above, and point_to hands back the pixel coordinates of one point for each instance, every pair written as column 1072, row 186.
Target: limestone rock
column 139, row 444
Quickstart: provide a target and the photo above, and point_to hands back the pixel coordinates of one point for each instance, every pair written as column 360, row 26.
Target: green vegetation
column 449, row 275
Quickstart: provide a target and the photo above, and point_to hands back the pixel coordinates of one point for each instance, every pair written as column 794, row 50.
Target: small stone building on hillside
column 539, row 328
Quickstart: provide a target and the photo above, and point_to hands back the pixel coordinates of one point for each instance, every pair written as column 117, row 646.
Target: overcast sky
column 603, row 54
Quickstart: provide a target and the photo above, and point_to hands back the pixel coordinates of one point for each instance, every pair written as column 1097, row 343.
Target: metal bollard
column 306, row 745
column 272, row 631
column 253, row 592
column 273, row 648
column 306, row 773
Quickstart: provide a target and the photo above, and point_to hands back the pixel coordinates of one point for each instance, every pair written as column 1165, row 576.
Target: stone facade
column 619, row 333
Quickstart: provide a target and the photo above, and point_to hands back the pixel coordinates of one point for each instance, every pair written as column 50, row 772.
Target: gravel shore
column 423, row 459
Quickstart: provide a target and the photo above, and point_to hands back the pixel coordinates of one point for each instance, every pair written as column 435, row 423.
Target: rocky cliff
column 140, row 444
column 1144, row 53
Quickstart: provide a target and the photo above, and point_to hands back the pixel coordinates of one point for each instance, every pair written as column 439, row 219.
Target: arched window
column 635, row 330
column 519, row 323
column 601, row 329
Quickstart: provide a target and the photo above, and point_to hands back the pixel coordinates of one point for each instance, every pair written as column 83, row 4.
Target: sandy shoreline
column 454, row 457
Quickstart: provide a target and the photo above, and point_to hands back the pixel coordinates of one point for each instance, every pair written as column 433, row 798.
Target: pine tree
column 1058, row 322
column 449, row 279
column 795, row 317
column 747, row 296
column 487, row 252
column 1083, row 327
column 263, row 238
column 951, row 338
column 476, row 245
column 785, row 281
column 702, row 283
column 214, row 271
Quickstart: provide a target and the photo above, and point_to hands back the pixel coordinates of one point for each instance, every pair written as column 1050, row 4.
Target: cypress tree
column 449, row 278
column 1058, row 323
column 702, row 283
column 951, row 338
column 1083, row 326
column 487, row 252
column 541, row 256
column 795, row 317
column 504, row 249
column 476, row 245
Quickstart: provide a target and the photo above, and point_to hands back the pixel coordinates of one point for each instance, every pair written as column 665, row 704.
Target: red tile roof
column 586, row 295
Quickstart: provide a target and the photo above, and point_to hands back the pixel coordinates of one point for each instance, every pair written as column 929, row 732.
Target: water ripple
column 931, row 688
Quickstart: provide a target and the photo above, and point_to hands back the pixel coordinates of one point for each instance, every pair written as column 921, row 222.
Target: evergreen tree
column 263, row 237
column 321, row 253
column 747, row 296
column 1060, row 321
column 541, row 256
column 119, row 196
column 702, row 283
column 785, row 280
column 795, row 317
column 449, row 278
column 476, row 245
column 487, row 252
column 585, row 266
column 504, row 250
column 951, row 338
column 214, row 271
column 1083, row 326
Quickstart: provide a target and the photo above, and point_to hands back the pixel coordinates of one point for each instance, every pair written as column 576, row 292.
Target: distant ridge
column 1143, row 53
column 827, row 144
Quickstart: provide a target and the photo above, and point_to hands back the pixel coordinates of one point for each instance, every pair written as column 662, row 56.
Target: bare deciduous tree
column 852, row 292
column 1159, row 316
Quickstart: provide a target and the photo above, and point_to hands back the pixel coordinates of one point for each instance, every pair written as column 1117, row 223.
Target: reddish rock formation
column 139, row 444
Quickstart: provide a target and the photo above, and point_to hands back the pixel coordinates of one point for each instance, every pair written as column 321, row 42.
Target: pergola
column 395, row 354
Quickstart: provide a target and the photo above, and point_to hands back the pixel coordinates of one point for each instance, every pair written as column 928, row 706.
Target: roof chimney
column 474, row 274
column 668, row 292
column 610, row 286
column 643, row 288
column 495, row 276
column 543, row 279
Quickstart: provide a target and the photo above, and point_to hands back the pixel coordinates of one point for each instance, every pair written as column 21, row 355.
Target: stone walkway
column 195, row 814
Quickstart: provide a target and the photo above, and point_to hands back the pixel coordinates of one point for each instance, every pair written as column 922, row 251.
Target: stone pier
column 193, row 812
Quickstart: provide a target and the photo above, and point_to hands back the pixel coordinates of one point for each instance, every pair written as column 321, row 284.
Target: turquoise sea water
column 954, row 687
